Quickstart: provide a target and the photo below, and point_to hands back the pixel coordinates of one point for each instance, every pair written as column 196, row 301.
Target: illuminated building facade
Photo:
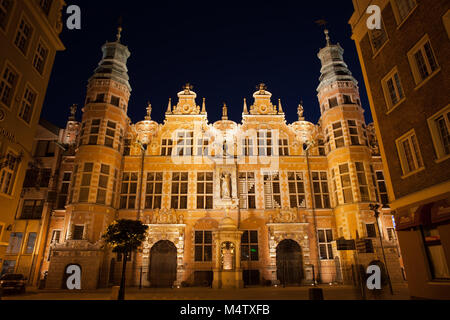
column 227, row 204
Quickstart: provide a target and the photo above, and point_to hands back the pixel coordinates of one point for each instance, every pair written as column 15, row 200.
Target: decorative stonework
column 166, row 216
column 263, row 104
column 186, row 102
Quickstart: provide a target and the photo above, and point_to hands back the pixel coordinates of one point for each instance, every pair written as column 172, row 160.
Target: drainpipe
column 308, row 145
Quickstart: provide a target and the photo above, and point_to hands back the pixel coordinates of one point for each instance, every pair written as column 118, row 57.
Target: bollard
column 115, row 293
column 315, row 294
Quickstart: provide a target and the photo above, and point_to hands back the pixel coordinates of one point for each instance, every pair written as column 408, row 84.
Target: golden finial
column 204, row 106
column 169, row 106
column 245, row 106
column 280, row 108
column 261, row 87
column 224, row 112
column 188, row 87
column 149, row 111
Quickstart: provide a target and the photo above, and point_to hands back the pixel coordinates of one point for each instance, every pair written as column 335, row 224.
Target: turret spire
column 169, row 106
column 280, row 107
column 245, row 106
column 327, row 37
column 204, row 106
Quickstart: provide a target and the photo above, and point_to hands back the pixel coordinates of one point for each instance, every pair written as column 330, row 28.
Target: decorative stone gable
column 186, row 102
column 263, row 104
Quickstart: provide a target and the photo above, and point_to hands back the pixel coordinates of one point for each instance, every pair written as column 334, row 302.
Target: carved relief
column 165, row 216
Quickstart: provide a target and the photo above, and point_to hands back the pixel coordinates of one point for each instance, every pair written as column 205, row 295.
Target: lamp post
column 374, row 208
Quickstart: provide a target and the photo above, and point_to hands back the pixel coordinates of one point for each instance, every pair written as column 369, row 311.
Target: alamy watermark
column 374, row 21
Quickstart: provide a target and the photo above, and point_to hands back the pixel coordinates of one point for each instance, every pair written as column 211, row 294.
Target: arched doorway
column 289, row 263
column 163, row 264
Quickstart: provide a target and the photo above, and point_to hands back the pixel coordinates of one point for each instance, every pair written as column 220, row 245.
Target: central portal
column 163, row 264
column 289, row 263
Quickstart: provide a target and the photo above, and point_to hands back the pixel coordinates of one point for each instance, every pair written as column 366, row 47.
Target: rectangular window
column 321, row 148
column 45, row 6
column 409, row 153
column 8, row 173
column 30, row 242
column 56, row 236
column 321, row 193
column 205, row 190
column 153, row 191
column 185, row 143
column 404, row 7
column 391, row 234
column 45, row 148
column 371, row 230
column 40, row 57
column 338, row 135
column 27, row 105
column 346, row 183
column 362, row 181
column 378, row 37
column 202, row 147
column 272, row 191
column 5, row 12
column 115, row 101
column 86, row 182
column 32, row 209
column 110, row 134
column 393, row 90
column 127, row 147
column 166, row 147
column 296, row 190
column 265, row 143
column 247, row 147
column 100, row 98
column 203, row 246
column 179, row 190
column 23, row 36
column 436, row 255
column 353, row 131
column 422, row 60
column 64, row 190
column 95, row 129
column 247, row 197
column 333, row 102
column 283, row 147
column 325, row 237
column 78, row 232
column 249, row 245
column 102, row 184
column 129, row 190
column 382, row 190
column 8, row 85
column 347, row 99
column 15, row 242
column 439, row 125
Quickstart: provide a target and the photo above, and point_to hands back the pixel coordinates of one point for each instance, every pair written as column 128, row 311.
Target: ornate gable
column 262, row 104
column 186, row 102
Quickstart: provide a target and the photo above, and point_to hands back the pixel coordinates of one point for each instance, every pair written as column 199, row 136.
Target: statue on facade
column 226, row 185
column 300, row 111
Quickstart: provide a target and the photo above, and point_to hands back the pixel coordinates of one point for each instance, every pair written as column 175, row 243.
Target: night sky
column 223, row 48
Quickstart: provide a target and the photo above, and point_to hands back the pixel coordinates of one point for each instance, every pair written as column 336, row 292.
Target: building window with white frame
column 422, row 60
column 153, row 191
column 272, row 190
column 202, row 147
column 56, row 236
column 31, row 241
column 103, row 184
column 247, row 189
column 378, row 37
column 129, row 190
column 5, row 12
column 205, row 190
column 8, row 85
column 325, row 237
column 185, row 143
column 86, row 182
column 439, row 125
column 179, row 188
column 392, row 88
column 346, row 183
column 23, row 36
column 247, row 147
column 404, row 7
column 362, row 181
column 382, row 190
column 8, row 172
column 338, row 135
column 166, row 147
column 409, row 153
column 321, row 192
column 296, row 185
column 40, row 57
column 265, row 143
column 27, row 105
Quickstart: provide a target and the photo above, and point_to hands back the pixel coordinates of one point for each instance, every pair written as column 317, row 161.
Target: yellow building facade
column 227, row 204
column 29, row 38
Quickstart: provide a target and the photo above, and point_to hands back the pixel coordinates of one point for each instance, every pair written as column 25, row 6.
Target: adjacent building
column 29, row 40
column 406, row 68
column 227, row 203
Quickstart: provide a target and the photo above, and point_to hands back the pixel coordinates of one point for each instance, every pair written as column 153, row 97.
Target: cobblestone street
column 256, row 293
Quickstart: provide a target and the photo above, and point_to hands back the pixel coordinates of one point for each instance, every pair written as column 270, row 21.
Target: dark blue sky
column 223, row 48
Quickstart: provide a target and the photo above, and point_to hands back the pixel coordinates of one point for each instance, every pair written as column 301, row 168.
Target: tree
column 125, row 236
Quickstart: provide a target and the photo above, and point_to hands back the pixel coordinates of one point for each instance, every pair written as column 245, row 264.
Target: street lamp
column 374, row 208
